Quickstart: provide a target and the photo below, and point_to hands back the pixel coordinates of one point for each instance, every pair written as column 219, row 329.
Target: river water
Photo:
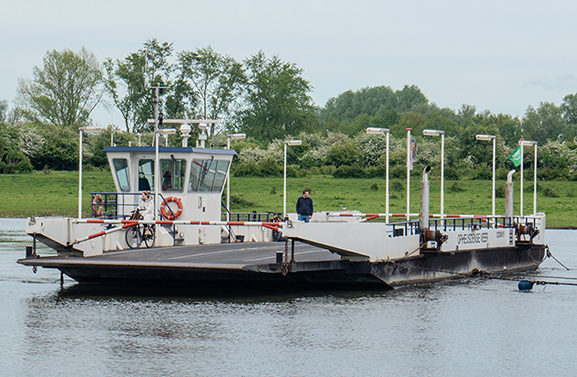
column 466, row 327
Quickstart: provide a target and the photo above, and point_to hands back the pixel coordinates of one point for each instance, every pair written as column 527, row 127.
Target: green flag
column 516, row 156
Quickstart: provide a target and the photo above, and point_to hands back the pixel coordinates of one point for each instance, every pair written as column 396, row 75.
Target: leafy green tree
column 3, row 110
column 416, row 122
column 65, row 91
column 217, row 81
column 569, row 109
column 12, row 159
column 149, row 66
column 349, row 105
column 277, row 102
column 60, row 149
column 543, row 123
column 409, row 97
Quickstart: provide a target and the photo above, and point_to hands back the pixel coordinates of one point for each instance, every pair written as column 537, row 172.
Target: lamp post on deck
column 489, row 138
column 528, row 143
column 230, row 137
column 442, row 134
column 90, row 129
column 291, row 143
column 382, row 131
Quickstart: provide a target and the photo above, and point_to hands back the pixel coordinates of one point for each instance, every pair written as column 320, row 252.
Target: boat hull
column 234, row 265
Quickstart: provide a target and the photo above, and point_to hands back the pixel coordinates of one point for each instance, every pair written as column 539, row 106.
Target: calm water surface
column 471, row 327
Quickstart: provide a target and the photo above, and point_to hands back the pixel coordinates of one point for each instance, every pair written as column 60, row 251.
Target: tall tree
column 127, row 81
column 65, row 91
column 217, row 81
column 3, row 110
column 543, row 123
column 277, row 100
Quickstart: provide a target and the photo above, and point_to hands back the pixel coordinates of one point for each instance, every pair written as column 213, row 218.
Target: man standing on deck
column 305, row 207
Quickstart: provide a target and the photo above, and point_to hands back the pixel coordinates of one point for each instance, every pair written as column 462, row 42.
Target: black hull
column 333, row 273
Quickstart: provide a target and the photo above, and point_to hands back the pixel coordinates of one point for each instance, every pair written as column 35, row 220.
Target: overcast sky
column 500, row 56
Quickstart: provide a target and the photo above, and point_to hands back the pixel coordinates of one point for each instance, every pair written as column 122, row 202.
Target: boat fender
column 525, row 285
column 166, row 213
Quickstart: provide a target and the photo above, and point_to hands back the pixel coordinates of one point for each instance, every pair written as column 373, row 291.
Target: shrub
column 345, row 154
column 293, row 172
column 397, row 186
column 483, row 172
column 349, row 172
column 456, row 187
column 499, row 191
column 550, row 193
column 398, row 171
column 244, row 169
column 452, row 174
column 240, row 200
column 268, row 167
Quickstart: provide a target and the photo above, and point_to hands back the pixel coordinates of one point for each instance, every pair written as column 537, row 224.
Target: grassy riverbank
column 56, row 193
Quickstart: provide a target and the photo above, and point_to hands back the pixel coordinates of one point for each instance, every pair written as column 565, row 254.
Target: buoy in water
column 525, row 285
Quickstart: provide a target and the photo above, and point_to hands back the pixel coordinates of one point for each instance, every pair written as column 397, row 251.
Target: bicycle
column 276, row 218
column 135, row 234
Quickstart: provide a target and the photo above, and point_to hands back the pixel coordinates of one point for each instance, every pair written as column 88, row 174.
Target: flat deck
column 220, row 256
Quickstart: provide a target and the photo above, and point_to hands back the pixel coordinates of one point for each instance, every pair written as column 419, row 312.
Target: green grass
column 56, row 193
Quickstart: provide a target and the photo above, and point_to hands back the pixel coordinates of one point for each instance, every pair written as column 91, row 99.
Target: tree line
column 269, row 100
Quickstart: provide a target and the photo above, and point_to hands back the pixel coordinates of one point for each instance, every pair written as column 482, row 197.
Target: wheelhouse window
column 207, row 175
column 145, row 175
column 121, row 170
column 172, row 171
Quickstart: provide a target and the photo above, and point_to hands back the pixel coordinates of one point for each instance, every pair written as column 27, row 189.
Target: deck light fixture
column 166, row 132
column 185, row 133
column 230, row 137
column 383, row 131
column 291, row 143
column 89, row 129
column 482, row 137
column 442, row 134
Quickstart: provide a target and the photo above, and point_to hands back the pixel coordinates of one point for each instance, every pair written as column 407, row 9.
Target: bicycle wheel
column 148, row 236
column 133, row 237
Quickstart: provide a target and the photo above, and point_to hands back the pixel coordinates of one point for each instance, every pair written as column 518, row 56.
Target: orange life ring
column 168, row 215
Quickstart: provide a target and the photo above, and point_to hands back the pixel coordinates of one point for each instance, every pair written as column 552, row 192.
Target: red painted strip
column 453, row 216
column 346, row 214
column 372, row 216
column 398, row 215
column 205, row 223
column 235, row 223
column 129, row 222
column 96, row 235
column 165, row 222
column 94, row 221
column 271, row 227
column 195, row 222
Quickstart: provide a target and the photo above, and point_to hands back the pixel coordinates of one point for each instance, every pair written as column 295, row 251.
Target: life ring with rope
column 97, row 205
column 166, row 213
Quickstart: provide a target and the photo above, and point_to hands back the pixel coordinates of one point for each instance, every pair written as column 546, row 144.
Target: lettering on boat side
column 469, row 238
column 501, row 234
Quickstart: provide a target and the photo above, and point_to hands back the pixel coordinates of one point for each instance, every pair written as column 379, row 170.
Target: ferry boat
column 194, row 242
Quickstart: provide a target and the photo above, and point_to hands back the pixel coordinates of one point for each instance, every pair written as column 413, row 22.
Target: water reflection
column 473, row 327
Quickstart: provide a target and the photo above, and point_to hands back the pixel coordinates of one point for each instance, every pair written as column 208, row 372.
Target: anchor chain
column 285, row 259
column 287, row 263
